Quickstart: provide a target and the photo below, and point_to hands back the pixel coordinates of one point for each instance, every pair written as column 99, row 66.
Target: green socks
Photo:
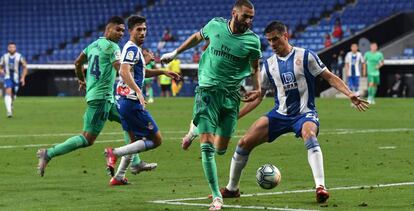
column 372, row 91
column 210, row 168
column 135, row 158
column 150, row 93
column 69, row 145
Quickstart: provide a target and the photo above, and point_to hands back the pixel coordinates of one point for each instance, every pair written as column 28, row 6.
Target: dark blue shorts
column 135, row 118
column 353, row 83
column 280, row 124
column 9, row 83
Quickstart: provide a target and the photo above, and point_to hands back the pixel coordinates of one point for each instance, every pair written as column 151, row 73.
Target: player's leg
column 8, row 97
column 94, row 118
column 357, row 79
column 190, row 136
column 307, row 126
column 257, row 134
column 376, row 82
column 208, row 102
column 370, row 88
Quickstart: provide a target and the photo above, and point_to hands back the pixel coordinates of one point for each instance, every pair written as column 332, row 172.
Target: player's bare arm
column 338, row 84
column 250, row 106
column 24, row 73
column 156, row 72
column 80, row 71
column 192, row 41
column 125, row 73
column 255, row 93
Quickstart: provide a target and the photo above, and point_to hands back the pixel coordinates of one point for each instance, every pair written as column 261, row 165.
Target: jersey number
column 95, row 68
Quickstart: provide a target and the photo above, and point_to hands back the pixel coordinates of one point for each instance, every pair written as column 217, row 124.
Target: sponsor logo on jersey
column 289, row 82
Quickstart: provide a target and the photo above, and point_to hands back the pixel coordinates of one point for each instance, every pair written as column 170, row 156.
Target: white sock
column 8, row 103
column 315, row 160
column 123, row 166
column 135, row 147
column 238, row 162
column 193, row 130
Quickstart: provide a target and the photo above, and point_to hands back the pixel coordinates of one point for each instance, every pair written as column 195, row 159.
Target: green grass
column 78, row 180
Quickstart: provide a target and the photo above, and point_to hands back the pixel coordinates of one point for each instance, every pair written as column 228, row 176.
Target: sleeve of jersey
column 207, row 29
column 116, row 55
column 315, row 64
column 257, row 53
column 348, row 58
column 128, row 55
column 2, row 61
column 264, row 79
column 362, row 58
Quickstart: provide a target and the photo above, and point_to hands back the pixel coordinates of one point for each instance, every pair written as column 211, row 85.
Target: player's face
column 354, row 48
column 277, row 41
column 139, row 32
column 374, row 47
column 11, row 48
column 243, row 18
column 116, row 32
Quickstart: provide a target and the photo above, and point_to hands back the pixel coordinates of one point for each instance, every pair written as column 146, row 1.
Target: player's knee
column 307, row 134
column 157, row 140
column 89, row 138
column 244, row 143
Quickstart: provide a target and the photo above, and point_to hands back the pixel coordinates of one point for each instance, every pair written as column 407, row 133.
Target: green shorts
column 374, row 79
column 216, row 110
column 97, row 113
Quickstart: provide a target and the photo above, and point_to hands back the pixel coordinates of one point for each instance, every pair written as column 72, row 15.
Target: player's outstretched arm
column 156, row 72
column 192, row 41
column 250, row 106
column 125, row 73
column 80, row 71
column 255, row 93
column 338, row 84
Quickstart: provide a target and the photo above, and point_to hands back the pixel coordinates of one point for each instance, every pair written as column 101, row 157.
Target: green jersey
column 100, row 75
column 373, row 60
column 226, row 60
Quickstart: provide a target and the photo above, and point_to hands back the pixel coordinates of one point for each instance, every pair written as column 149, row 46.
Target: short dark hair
column 275, row 26
column 246, row 3
column 135, row 19
column 11, row 43
column 115, row 20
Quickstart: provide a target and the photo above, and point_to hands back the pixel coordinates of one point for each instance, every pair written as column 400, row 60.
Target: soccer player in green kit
column 103, row 57
column 374, row 60
column 232, row 55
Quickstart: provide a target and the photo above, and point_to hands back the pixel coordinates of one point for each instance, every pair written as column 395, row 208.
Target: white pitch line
column 387, row 147
column 324, row 132
column 180, row 201
column 338, row 132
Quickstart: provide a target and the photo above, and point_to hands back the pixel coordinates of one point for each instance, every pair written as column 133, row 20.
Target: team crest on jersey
column 289, row 82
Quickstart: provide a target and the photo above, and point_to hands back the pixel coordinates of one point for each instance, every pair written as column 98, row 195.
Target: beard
column 240, row 26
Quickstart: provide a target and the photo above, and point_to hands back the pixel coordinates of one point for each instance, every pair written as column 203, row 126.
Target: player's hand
column 141, row 100
column 251, row 96
column 148, row 56
column 360, row 104
column 168, row 57
column 82, row 85
column 173, row 75
column 22, row 81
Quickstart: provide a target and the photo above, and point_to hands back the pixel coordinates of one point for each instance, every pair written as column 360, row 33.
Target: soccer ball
column 268, row 176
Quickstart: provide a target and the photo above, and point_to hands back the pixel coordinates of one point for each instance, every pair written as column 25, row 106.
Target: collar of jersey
column 287, row 56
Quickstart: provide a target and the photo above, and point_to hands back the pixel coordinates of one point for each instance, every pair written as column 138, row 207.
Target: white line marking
column 387, row 147
column 324, row 132
column 180, row 201
column 335, row 132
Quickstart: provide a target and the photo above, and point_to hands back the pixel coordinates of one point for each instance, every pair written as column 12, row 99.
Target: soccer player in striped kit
column 291, row 71
column 14, row 67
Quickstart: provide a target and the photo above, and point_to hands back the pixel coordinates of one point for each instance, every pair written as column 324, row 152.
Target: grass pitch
column 361, row 150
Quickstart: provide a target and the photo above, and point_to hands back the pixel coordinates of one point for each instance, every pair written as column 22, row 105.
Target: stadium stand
column 50, row 32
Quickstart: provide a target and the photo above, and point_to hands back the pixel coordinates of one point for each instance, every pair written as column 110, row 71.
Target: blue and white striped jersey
column 131, row 54
column 355, row 62
column 293, row 78
column 11, row 65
